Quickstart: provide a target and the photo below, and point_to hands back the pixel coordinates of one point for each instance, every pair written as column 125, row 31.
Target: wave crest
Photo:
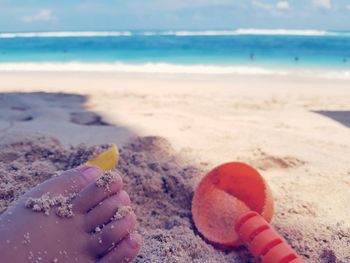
column 249, row 32
column 180, row 33
column 67, row 34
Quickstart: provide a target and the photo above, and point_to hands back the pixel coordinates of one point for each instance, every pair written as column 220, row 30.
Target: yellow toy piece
column 107, row 160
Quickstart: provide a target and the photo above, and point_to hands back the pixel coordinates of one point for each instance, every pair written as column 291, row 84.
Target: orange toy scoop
column 225, row 193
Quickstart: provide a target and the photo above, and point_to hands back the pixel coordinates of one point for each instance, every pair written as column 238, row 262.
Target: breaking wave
column 242, row 31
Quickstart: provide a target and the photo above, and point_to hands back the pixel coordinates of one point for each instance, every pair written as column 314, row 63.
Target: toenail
column 89, row 171
column 134, row 240
column 123, row 197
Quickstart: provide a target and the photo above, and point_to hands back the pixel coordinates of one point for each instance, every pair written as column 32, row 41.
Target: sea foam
column 250, row 32
column 165, row 68
column 180, row 33
column 67, row 34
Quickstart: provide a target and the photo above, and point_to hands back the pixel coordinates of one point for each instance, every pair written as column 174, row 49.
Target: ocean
column 241, row 51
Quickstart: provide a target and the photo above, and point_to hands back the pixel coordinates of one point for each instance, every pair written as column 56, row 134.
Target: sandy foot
column 69, row 218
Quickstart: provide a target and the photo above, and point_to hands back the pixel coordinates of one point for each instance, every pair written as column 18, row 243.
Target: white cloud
column 273, row 8
column 171, row 5
column 327, row 4
column 283, row 5
column 262, row 5
column 348, row 7
column 41, row 15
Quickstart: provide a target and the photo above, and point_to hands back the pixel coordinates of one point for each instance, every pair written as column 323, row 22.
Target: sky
column 87, row 15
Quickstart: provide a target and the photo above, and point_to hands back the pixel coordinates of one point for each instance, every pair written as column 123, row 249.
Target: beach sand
column 172, row 130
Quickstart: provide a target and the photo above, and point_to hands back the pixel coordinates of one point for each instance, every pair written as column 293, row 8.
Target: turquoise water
column 267, row 49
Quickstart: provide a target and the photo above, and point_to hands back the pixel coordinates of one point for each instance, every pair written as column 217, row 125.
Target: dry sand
column 294, row 131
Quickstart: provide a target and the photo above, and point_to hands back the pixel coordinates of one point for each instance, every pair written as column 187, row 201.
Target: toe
column 112, row 234
column 103, row 212
column 92, row 195
column 126, row 251
column 69, row 182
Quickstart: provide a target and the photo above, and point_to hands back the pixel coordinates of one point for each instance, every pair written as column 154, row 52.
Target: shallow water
column 291, row 49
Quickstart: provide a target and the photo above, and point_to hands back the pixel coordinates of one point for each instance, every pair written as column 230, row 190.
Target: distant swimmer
column 252, row 57
column 345, row 60
column 296, row 59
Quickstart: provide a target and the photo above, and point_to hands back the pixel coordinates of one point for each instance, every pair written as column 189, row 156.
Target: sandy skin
column 28, row 236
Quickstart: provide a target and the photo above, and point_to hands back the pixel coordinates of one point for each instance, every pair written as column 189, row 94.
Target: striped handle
column 263, row 241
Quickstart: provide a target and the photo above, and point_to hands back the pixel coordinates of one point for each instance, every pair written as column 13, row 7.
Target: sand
column 172, row 130
column 122, row 212
column 161, row 187
column 107, row 178
column 46, row 202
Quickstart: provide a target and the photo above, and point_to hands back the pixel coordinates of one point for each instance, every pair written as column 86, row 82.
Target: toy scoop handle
column 263, row 241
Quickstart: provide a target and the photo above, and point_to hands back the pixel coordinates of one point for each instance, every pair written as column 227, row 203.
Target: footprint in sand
column 265, row 161
column 12, row 108
column 25, row 118
column 19, row 108
column 87, row 118
column 270, row 162
column 16, row 115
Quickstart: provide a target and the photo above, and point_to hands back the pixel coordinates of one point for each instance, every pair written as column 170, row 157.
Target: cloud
column 41, row 15
column 327, row 4
column 348, row 7
column 264, row 6
column 283, row 5
column 171, row 5
column 273, row 8
column 181, row 4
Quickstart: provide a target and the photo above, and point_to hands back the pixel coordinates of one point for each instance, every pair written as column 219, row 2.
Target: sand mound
column 161, row 187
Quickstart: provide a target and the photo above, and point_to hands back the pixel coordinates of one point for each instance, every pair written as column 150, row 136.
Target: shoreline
column 165, row 68
column 236, row 81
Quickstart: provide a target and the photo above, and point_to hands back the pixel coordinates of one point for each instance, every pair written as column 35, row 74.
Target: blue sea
column 241, row 51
